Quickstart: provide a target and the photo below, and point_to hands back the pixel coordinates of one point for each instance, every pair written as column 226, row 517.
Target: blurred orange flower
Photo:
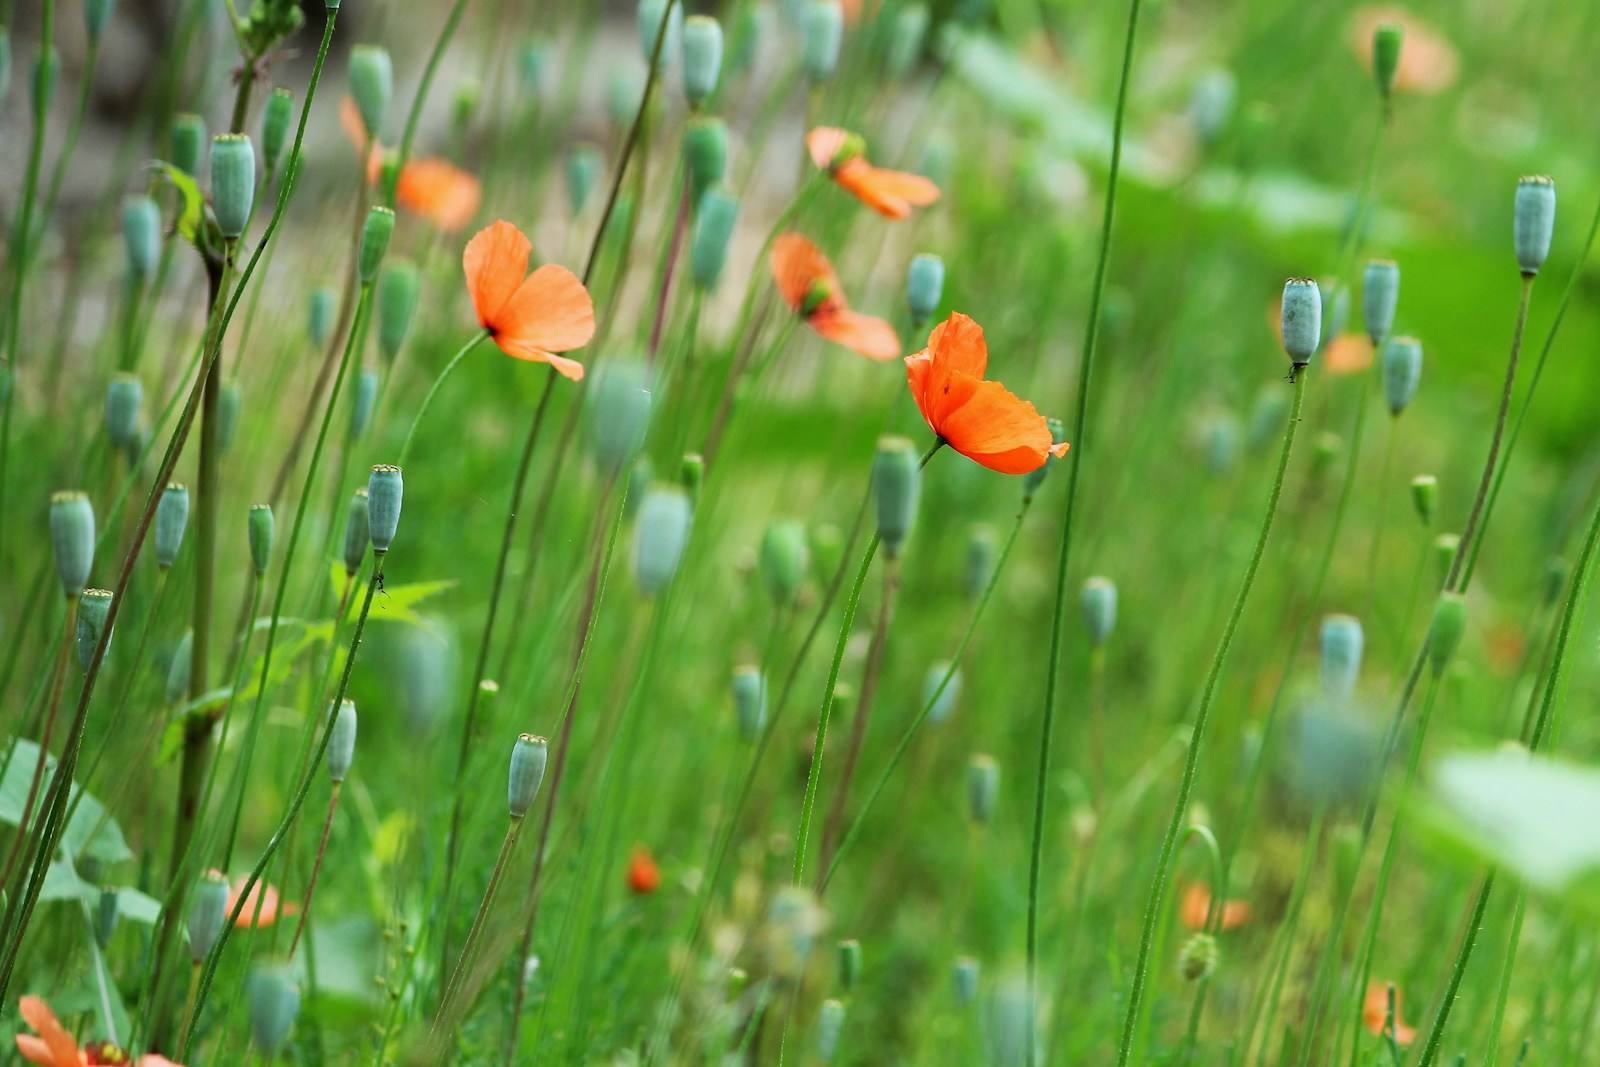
column 982, row 420
column 54, row 1047
column 530, row 316
column 1196, row 907
column 644, row 876
column 809, row 286
column 434, row 188
column 1375, row 1014
column 1347, row 353
column 891, row 193
column 266, row 895
column 1428, row 63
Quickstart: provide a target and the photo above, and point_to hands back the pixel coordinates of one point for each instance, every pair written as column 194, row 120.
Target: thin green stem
column 316, row 867
column 453, row 986
column 427, row 401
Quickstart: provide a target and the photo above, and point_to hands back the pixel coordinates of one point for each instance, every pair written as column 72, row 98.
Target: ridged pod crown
column 141, row 234
column 124, row 399
column 188, row 140
column 385, row 491
column 830, row 1024
column 896, row 487
column 1534, row 220
column 275, row 120
column 93, row 607
column 356, row 535
column 1302, row 319
column 233, row 182
column 849, row 964
column 1425, row 497
column 1388, row 38
column 528, row 758
column 172, row 520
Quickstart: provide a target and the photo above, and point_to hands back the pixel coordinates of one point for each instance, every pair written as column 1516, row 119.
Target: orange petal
column 890, row 193
column 1347, row 354
column 151, row 1059
column 267, row 896
column 56, row 1044
column 441, row 192
column 549, row 312
column 797, row 265
column 872, row 337
column 495, row 260
column 567, row 368
column 824, row 143
column 350, row 122
column 957, row 343
column 997, row 428
column 35, row 1051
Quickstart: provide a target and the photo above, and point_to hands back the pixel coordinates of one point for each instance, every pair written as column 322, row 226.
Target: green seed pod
column 821, row 37
column 1444, row 632
column 424, row 671
column 106, row 913
column 1211, row 104
column 528, row 758
column 342, row 741
column 784, row 560
column 375, row 242
column 319, row 319
column 714, row 221
column 1534, row 220
column 584, row 165
column 1266, row 418
column 208, row 913
column 924, row 286
column 1555, row 581
column 233, row 182
column 274, row 1003
column 96, row 13
column 259, row 530
column 229, row 400
column 692, row 475
column 702, row 58
column 750, row 28
column 371, row 75
column 398, row 284
column 1445, row 547
column 1387, row 40
column 178, row 668
column 1346, row 852
column 983, row 786
column 906, row 37
column 188, row 137
column 385, row 489
column 640, row 475
column 1402, row 371
column 361, row 408
column 979, row 562
column 896, row 484
column 1099, row 600
column 533, row 63
column 1425, row 497
column 141, row 235
column 849, row 964
column 1011, row 1027
column 469, row 91
column 1198, row 959
column 827, row 552
column 619, row 403
column 705, row 153
column 46, row 74
column 93, row 607
column 1220, row 436
column 356, row 535
column 72, row 539
column 749, row 701
column 624, row 88
column 172, row 519
column 661, row 533
column 275, row 120
column 941, row 703
column 830, row 1023
column 650, row 15
column 1302, row 319
column 1380, row 295
column 124, row 398
column 964, row 980
column 1341, row 656
column 1034, row 479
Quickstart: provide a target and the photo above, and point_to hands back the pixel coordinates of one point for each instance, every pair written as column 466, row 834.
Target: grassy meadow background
column 648, row 907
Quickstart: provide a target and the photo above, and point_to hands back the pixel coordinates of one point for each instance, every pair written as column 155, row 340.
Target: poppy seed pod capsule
column 469, row 91
column 1341, row 656
column 784, row 560
column 660, row 533
column 978, row 566
column 46, row 73
column 749, row 701
column 233, row 182
column 1035, row 478
column 385, row 489
column 1444, row 632
column 1099, row 600
column 533, row 60
column 896, row 484
column 938, row 695
column 96, row 13
column 1380, row 295
column 93, row 607
column 1302, row 319
column 275, row 119
column 924, row 286
column 619, row 405
column 141, row 234
column 1402, row 371
column 398, row 284
column 822, row 35
column 830, row 1023
column 906, row 36
column 342, row 741
column 1425, row 497
column 1445, row 547
column 583, row 167
column 640, row 475
column 1211, row 104
column 124, row 397
column 1533, row 221
column 229, row 400
column 1198, row 958
column 1387, row 40
column 172, row 519
column 714, row 221
column 705, row 153
column 528, row 757
column 178, row 668
column 208, row 912
column 371, row 77
column 849, row 964
column 366, row 396
column 702, row 57
column 375, row 242
column 356, row 535
column 72, row 539
column 650, row 15
column 964, row 979
column 319, row 314
column 274, row 1003
column 259, row 529
column 188, row 142
column 692, row 475
column 1266, row 418
column 107, row 911
column 983, row 786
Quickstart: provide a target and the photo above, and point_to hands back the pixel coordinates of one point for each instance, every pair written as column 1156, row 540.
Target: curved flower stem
column 427, row 401
column 316, row 867
column 453, row 986
column 58, row 679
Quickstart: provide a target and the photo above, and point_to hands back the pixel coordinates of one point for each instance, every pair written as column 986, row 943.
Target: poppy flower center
column 104, row 1054
column 819, row 293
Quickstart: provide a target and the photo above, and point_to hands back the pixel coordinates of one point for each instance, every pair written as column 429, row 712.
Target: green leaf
column 188, row 225
column 89, row 833
column 393, row 603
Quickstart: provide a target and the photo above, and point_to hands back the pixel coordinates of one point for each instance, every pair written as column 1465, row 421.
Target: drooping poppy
column 434, row 188
column 982, row 420
column 54, row 1047
column 892, row 193
column 1195, row 908
column 644, row 877
column 1375, row 1014
column 809, row 286
column 530, row 316
column 262, row 894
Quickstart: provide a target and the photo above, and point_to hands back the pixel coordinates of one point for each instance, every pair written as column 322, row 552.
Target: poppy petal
column 495, row 261
column 35, row 1051
column 890, row 193
column 958, row 344
column 567, row 368
column 824, row 143
column 872, row 337
column 61, row 1049
column 997, row 428
column 152, row 1059
column 797, row 265
column 550, row 311
column 350, row 121
column 441, row 192
column 270, row 908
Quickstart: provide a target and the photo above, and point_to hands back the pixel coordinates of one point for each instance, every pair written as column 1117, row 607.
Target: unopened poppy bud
column 830, row 1023
column 849, row 964
column 1198, row 958
column 274, row 1003
column 1387, row 40
column 398, row 283
column 896, row 484
column 260, row 529
column 371, row 75
column 124, row 397
column 172, row 519
column 692, row 475
column 983, row 786
column 713, row 231
column 385, row 488
column 46, row 73
column 208, row 912
column 1341, row 656
column 660, row 534
column 702, row 57
column 1302, row 319
column 375, row 242
column 784, row 560
column 1444, row 632
column 822, row 36
column 1534, row 220
column 1402, row 371
column 906, row 36
column 188, row 137
column 1445, row 547
column 342, row 741
column 229, row 400
column 705, row 154
column 964, row 980
column 619, row 404
column 141, row 234
column 1380, row 295
column 72, row 539
column 533, row 61
column 319, row 314
column 979, row 563
column 361, row 407
column 275, row 119
column 1099, row 600
column 178, row 668
column 96, row 13
column 940, row 696
column 107, row 911
column 924, row 286
column 650, row 16
column 233, row 182
column 1555, row 580
column 356, row 535
column 1035, row 478
column 1425, row 497
column 583, row 168
column 749, row 701
column 93, row 607
column 528, row 758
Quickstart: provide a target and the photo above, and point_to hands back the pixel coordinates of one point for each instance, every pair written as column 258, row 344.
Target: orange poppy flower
column 982, row 420
column 1195, row 908
column 1428, row 63
column 1347, row 353
column 892, row 193
column 808, row 284
column 54, row 1047
column 644, row 876
column 531, row 317
column 434, row 188
column 1375, row 1014
column 267, row 896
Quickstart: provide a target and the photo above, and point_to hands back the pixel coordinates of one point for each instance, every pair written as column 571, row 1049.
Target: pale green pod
column 692, row 475
column 528, row 758
column 375, row 234
column 320, row 312
column 1099, row 601
column 661, row 533
column 1198, row 958
column 650, row 15
column 640, row 475
column 188, row 143
column 1388, row 39
column 821, row 38
column 208, row 914
column 1342, row 641
column 93, row 607
column 172, row 520
column 830, row 1023
column 259, row 529
column 964, row 979
column 750, row 29
column 124, row 399
column 849, row 964
column 342, row 741
column 1330, row 755
column 983, row 788
column 1445, row 631
column 749, row 701
column 141, row 235
column 979, row 561
column 705, row 154
column 1380, row 296
column 108, row 909
column 714, row 222
column 1533, row 222
column 356, row 535
column 1402, row 371
column 702, row 58
column 1445, row 547
column 72, row 533
column 784, row 560
column 274, row 1004
column 233, row 182
column 366, row 396
column 907, row 35
column 371, row 75
column 1221, row 442
column 940, row 702
column 1211, row 104
column 896, row 487
column 619, row 403
column 46, row 75
column 275, row 120
column 533, row 64
column 424, row 671
column 1011, row 1029
column 96, row 13
column 398, row 286
column 230, row 398
column 584, row 165
column 924, row 286
column 1302, row 319
column 385, row 491
column 178, row 668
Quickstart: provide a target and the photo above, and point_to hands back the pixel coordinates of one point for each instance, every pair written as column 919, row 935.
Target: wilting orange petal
column 439, row 191
column 1196, row 907
column 1347, row 353
column 54, row 1047
column 550, row 311
column 495, row 261
column 264, row 895
column 824, row 143
column 872, row 337
column 890, row 193
column 797, row 265
column 1375, row 1014
column 996, row 428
